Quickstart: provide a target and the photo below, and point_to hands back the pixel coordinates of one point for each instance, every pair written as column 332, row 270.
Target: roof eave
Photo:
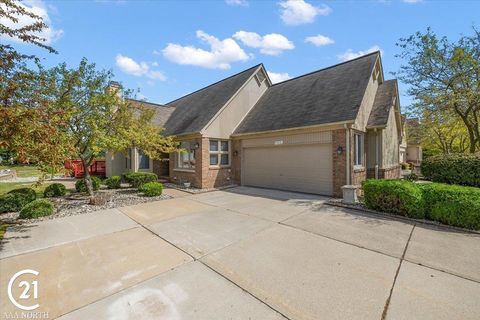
column 293, row 128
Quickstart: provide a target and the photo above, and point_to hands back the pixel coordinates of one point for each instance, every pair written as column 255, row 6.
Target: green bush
column 459, row 169
column 113, row 182
column 28, row 193
column 137, row 179
column 37, row 208
column 394, row 196
column 411, row 177
column 453, row 205
column 16, row 199
column 55, row 190
column 151, row 189
column 81, row 187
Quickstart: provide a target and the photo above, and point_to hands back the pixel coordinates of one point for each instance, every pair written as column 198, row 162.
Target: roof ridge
column 330, row 67
column 154, row 103
column 210, row 85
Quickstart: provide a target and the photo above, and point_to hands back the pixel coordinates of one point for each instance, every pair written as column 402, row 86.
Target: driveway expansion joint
column 387, row 302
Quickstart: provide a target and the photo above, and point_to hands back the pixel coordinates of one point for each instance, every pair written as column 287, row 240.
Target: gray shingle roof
column 195, row 110
column 329, row 95
column 382, row 104
column 162, row 112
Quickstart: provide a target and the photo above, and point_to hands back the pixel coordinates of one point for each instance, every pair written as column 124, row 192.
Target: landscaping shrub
column 28, row 193
column 394, row 196
column 453, row 169
column 151, row 189
column 55, row 190
column 81, row 187
column 137, row 179
column 113, row 182
column 37, row 208
column 16, row 199
column 411, row 177
column 453, row 205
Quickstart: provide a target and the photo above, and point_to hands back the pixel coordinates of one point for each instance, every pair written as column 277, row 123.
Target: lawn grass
column 24, row 170
column 3, row 229
column 8, row 186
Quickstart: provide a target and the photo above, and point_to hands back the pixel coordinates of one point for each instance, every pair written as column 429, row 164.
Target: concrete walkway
column 242, row 253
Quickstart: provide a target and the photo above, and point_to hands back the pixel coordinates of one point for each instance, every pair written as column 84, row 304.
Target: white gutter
column 347, row 133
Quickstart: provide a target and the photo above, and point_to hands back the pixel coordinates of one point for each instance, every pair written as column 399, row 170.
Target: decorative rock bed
column 75, row 204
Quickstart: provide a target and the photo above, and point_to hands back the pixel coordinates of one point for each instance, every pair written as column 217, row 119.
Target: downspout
column 376, row 153
column 347, row 133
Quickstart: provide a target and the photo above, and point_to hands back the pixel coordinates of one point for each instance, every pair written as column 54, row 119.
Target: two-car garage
column 301, row 162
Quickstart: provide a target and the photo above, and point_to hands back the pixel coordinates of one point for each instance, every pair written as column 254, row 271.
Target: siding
column 390, row 143
column 293, row 139
column 231, row 116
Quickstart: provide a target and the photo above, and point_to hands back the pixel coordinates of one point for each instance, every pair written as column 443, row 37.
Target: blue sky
column 168, row 49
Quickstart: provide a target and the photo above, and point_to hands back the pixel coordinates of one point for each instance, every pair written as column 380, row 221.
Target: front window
column 358, row 149
column 143, row 160
column 186, row 157
column 219, row 153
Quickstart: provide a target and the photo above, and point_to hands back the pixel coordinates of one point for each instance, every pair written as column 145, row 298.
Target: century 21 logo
column 29, row 288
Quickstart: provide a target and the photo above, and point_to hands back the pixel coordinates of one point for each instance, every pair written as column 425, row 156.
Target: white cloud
column 295, row 12
column 221, row 54
column 278, row 77
column 412, row 1
column 271, row 44
column 350, row 54
column 319, row 40
column 139, row 69
column 241, row 3
column 38, row 8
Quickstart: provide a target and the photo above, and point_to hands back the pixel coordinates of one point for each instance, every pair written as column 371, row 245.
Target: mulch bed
column 74, row 204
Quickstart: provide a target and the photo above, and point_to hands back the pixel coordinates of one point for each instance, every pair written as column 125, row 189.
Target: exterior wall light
column 339, row 150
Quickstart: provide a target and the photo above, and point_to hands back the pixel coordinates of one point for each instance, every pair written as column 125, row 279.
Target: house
column 414, row 149
column 314, row 133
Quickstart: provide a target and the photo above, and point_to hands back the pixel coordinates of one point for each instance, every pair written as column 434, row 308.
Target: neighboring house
column 414, row 149
column 314, row 133
column 403, row 142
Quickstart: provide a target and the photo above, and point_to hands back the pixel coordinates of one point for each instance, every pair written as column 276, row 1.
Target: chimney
column 116, row 87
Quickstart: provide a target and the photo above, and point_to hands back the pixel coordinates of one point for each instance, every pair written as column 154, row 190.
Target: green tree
column 27, row 127
column 443, row 77
column 97, row 118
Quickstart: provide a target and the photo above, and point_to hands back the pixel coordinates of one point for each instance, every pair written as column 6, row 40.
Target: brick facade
column 203, row 176
column 339, row 161
column 385, row 173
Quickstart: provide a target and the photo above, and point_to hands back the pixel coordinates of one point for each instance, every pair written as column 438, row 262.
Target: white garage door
column 303, row 168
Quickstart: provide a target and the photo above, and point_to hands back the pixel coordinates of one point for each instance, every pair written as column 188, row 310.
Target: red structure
column 97, row 168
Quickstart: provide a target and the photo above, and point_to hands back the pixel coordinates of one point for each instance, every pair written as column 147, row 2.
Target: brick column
column 339, row 161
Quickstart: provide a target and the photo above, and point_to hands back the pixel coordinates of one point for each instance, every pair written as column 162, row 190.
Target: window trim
column 219, row 153
column 358, row 140
column 178, row 166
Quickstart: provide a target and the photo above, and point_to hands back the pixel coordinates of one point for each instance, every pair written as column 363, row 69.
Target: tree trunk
column 88, row 180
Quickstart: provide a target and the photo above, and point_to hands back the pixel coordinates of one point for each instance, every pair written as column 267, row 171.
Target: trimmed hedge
column 55, row 190
column 394, row 196
column 453, row 205
column 37, row 208
column 151, row 189
column 137, row 179
column 16, row 199
column 459, row 169
column 113, row 182
column 80, row 185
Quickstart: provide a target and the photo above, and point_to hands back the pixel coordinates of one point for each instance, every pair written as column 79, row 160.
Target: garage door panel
column 304, row 168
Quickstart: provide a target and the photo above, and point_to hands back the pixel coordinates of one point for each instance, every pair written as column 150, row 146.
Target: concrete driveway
column 241, row 253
